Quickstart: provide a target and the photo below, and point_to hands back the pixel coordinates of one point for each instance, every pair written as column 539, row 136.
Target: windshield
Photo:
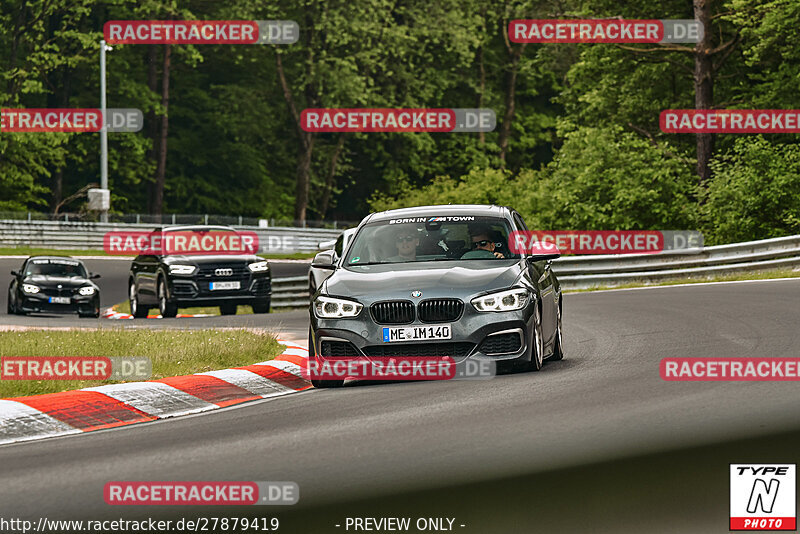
column 420, row 239
column 208, row 240
column 55, row 267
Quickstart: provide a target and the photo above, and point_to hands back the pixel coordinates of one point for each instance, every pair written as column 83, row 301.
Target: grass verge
column 172, row 352
column 762, row 275
column 33, row 251
column 125, row 307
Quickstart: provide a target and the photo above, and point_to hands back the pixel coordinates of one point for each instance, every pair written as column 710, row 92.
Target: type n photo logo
column 763, row 497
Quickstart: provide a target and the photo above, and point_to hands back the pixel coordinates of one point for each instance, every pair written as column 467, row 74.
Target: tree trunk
column 152, row 124
column 704, row 88
column 161, row 169
column 303, row 178
column 303, row 174
column 481, row 91
column 511, row 102
column 326, row 195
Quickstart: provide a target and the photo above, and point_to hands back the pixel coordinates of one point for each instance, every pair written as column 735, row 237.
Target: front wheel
column 262, row 306
column 133, row 299
column 537, row 350
column 558, row 350
column 228, row 309
column 9, row 305
column 95, row 313
column 165, row 306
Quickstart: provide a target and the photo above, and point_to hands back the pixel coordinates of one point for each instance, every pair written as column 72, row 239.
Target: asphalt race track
column 595, row 443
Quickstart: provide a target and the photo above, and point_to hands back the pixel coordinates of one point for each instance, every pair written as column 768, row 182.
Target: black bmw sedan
column 53, row 284
column 438, row 281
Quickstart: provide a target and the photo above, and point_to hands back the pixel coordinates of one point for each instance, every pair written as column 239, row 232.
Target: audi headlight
column 258, row 267
column 86, row 291
column 182, row 269
column 509, row 300
column 30, row 288
column 331, row 308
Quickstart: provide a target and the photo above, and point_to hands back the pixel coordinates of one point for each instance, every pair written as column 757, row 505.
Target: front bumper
column 475, row 336
column 195, row 292
column 41, row 304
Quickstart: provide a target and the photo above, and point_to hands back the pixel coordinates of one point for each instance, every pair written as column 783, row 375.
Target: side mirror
column 324, row 260
column 14, row 273
column 543, row 257
column 543, row 251
column 94, row 276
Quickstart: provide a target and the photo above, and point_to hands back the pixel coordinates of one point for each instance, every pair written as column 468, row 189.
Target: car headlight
column 88, row 290
column 30, row 288
column 258, row 267
column 331, row 308
column 182, row 269
column 509, row 300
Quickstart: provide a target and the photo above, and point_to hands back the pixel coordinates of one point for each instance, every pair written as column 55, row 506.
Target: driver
column 406, row 240
column 479, row 235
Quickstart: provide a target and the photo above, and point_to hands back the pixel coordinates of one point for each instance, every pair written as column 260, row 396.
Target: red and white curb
column 111, row 314
column 113, row 405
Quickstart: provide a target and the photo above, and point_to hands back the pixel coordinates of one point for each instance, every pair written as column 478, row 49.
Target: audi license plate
column 416, row 333
column 216, row 286
column 59, row 300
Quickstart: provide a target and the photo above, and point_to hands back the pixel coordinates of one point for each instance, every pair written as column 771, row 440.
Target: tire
column 537, row 350
column 95, row 314
column 322, row 384
column 228, row 309
column 558, row 350
column 9, row 307
column 312, row 288
column 263, row 306
column 133, row 300
column 165, row 306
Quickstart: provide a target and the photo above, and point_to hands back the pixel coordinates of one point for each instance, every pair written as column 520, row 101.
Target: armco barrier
column 87, row 236
column 582, row 272
column 290, row 292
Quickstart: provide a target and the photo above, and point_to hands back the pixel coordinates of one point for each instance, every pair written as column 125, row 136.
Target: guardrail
column 583, row 272
column 89, row 235
column 290, row 292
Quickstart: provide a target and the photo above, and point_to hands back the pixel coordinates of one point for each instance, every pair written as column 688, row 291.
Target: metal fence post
column 173, row 218
column 206, row 219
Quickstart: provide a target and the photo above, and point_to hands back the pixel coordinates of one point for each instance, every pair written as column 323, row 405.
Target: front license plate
column 416, row 333
column 216, row 286
column 59, row 300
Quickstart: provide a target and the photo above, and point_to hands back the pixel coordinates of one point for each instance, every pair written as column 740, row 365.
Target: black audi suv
column 407, row 270
column 54, row 284
column 172, row 281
